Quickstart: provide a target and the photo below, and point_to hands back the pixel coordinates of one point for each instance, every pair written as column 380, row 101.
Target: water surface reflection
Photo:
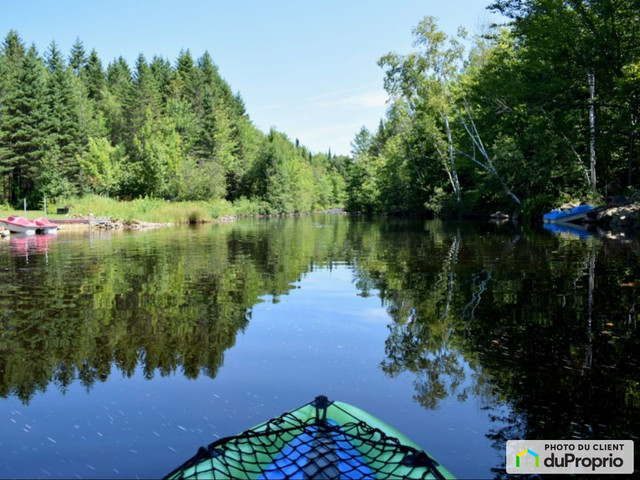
column 461, row 335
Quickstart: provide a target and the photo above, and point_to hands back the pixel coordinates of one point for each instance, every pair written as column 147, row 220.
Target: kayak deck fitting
column 322, row 439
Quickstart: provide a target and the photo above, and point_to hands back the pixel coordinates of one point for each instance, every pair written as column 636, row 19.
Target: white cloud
column 273, row 106
column 361, row 100
column 331, row 130
column 325, row 120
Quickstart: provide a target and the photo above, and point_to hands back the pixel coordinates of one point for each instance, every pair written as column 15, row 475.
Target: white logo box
column 570, row 456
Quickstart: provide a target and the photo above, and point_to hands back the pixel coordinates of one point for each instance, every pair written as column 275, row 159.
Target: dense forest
column 526, row 115
column 70, row 127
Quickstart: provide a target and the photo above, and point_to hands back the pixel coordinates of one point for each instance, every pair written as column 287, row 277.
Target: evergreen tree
column 165, row 131
column 64, row 133
column 146, row 96
column 12, row 55
column 13, row 49
column 117, row 99
column 22, row 137
column 78, row 57
column 94, row 76
column 11, row 60
column 163, row 76
column 187, row 76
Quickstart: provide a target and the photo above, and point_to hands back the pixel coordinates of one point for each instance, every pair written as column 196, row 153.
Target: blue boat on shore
column 566, row 215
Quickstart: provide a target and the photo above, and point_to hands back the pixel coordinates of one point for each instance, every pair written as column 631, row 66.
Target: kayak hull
column 321, row 439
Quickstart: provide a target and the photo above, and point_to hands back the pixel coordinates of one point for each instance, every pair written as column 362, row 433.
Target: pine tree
column 78, row 58
column 163, row 75
column 119, row 79
column 119, row 95
column 11, row 60
column 94, row 76
column 63, row 126
column 186, row 71
column 173, row 131
column 146, row 97
column 22, row 136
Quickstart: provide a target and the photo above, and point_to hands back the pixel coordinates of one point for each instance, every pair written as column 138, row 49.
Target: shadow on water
column 542, row 328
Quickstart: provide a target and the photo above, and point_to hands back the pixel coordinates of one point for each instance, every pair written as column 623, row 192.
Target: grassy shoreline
column 148, row 210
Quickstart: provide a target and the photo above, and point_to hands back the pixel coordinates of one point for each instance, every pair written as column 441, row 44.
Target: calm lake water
column 121, row 354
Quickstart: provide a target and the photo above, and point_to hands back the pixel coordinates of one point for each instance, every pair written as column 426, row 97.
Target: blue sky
column 306, row 67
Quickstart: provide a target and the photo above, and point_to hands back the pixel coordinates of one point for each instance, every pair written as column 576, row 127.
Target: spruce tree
column 119, row 94
column 163, row 75
column 94, row 76
column 78, row 57
column 186, row 71
column 22, row 137
column 62, row 121
column 11, row 60
column 146, row 97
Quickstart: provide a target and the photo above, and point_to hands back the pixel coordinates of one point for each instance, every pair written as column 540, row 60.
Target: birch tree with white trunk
column 424, row 79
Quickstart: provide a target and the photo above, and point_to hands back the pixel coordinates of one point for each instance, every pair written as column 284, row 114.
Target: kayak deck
column 321, row 439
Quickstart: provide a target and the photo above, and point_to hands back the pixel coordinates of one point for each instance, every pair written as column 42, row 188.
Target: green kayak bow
column 322, row 439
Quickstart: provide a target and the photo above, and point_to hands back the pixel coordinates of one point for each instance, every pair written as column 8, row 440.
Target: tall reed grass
column 149, row 209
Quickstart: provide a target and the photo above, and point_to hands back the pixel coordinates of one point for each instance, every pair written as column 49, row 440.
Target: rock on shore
column 621, row 213
column 115, row 224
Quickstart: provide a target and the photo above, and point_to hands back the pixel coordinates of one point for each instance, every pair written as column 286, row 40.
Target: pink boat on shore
column 28, row 227
column 20, row 225
column 45, row 226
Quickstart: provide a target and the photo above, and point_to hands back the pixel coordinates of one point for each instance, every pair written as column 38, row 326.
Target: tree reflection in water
column 547, row 326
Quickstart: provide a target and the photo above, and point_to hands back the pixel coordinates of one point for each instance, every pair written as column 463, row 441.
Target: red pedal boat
column 45, row 226
column 20, row 225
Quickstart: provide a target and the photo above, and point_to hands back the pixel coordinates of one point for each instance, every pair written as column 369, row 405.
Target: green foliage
column 508, row 121
column 245, row 207
column 152, row 131
column 283, row 178
column 149, row 209
column 101, row 166
column 201, row 182
column 437, row 202
column 532, row 206
column 24, row 111
column 361, row 184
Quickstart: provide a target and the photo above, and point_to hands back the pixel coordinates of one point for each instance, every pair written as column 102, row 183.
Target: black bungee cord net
column 288, row 447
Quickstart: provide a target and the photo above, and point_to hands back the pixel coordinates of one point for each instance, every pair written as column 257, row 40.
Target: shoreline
column 91, row 223
column 85, row 225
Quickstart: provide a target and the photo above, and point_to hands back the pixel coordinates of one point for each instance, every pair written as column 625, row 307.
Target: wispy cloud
column 325, row 119
column 345, row 130
column 273, row 106
column 360, row 100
